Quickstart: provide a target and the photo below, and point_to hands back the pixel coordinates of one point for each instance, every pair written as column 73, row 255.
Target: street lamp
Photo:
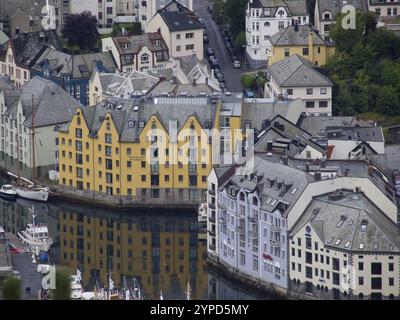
column 245, row 62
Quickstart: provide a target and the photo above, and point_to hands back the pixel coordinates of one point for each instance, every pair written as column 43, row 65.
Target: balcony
column 211, row 219
column 211, row 233
column 211, row 192
column 253, row 233
column 221, row 205
column 275, row 228
column 252, row 219
column 239, row 229
column 275, row 243
column 211, row 206
column 211, row 247
column 222, row 220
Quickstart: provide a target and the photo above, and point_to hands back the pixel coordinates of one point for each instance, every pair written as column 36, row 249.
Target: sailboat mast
column 33, row 145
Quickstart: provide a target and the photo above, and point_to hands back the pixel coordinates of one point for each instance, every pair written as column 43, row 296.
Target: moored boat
column 32, row 193
column 8, row 192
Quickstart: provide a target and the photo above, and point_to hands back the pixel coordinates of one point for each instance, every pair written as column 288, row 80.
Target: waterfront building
column 181, row 31
column 138, row 53
column 344, row 247
column 251, row 216
column 301, row 40
column 296, row 77
column 72, row 72
column 52, row 107
column 22, row 51
column 264, row 18
column 108, row 149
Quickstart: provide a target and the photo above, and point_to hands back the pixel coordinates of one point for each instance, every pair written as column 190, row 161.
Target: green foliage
column 232, row 13
column 63, row 284
column 247, row 81
column 366, row 68
column 11, row 289
column 240, row 39
column 81, row 30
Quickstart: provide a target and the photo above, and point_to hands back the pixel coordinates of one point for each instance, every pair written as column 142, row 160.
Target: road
column 232, row 75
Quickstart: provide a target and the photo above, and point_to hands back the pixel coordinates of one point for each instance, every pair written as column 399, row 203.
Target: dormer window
column 241, row 196
column 125, row 45
column 281, row 13
column 364, row 225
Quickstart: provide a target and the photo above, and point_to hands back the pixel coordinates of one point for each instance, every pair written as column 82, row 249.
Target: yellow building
column 161, row 252
column 157, row 148
column 301, row 40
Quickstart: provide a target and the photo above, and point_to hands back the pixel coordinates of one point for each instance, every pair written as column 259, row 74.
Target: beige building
column 384, row 8
column 138, row 53
column 182, row 32
column 344, row 247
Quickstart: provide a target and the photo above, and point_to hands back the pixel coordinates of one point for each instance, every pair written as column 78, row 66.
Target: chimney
column 323, row 163
column 317, row 175
column 269, row 146
column 310, row 46
column 307, row 167
column 16, row 30
column 285, row 159
column 370, row 169
column 206, row 81
column 296, row 27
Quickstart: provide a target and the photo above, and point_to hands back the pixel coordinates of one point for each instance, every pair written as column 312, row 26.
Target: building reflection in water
column 161, row 250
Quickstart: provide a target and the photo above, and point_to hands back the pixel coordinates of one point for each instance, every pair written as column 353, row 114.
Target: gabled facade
column 138, row 53
column 264, row 18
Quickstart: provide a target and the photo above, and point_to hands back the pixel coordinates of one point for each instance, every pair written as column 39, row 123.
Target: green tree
column 235, row 13
column 247, row 81
column 81, row 30
column 11, row 289
column 345, row 39
column 240, row 39
column 63, row 284
column 388, row 101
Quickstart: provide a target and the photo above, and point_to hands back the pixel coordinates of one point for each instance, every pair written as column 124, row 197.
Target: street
column 232, row 75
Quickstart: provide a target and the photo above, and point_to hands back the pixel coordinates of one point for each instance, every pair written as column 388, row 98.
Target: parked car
column 214, row 63
column 217, row 70
column 204, row 32
column 236, row 64
column 210, row 51
column 201, row 21
column 220, row 77
column 205, row 39
column 248, row 93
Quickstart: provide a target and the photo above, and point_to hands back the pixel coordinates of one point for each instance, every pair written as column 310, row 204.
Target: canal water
column 161, row 250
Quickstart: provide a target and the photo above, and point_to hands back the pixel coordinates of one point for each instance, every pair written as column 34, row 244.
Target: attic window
column 125, row 45
column 375, row 247
column 131, row 124
column 342, row 219
column 364, row 225
column 330, row 239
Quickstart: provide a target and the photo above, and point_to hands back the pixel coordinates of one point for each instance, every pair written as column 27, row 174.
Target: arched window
column 281, row 13
column 255, row 201
column 267, row 24
column 360, row 296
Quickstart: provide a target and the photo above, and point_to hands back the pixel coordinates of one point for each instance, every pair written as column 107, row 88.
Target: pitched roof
column 29, row 46
column 52, row 105
column 177, row 21
column 290, row 37
column 325, row 212
column 295, row 7
column 335, row 6
column 153, row 41
column 296, row 71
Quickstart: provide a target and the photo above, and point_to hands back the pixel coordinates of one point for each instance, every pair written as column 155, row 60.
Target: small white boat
column 8, row 192
column 32, row 193
column 36, row 236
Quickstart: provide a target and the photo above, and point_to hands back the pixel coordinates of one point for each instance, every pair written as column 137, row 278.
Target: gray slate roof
column 358, row 134
column 78, row 66
column 127, row 120
column 296, row 71
column 265, row 170
column 295, row 7
column 52, row 105
column 334, row 6
column 29, row 46
column 324, row 214
column 177, row 21
column 290, row 37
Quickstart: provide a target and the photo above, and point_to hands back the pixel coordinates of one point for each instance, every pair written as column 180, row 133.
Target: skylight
column 294, row 191
column 361, row 245
column 337, row 241
column 330, row 239
column 347, row 244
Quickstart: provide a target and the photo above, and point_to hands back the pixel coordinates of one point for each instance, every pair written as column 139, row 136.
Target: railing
column 239, row 229
column 275, row 243
column 211, row 219
column 253, row 234
column 211, row 192
column 211, row 206
column 275, row 228
column 252, row 219
column 211, row 246
column 211, row 233
column 222, row 220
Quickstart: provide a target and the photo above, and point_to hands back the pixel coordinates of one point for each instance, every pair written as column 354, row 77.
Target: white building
column 295, row 77
column 384, row 8
column 344, row 247
column 264, row 18
column 52, row 107
column 181, row 31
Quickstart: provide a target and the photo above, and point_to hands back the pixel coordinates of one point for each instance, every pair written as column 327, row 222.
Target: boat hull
column 8, row 196
column 35, row 195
